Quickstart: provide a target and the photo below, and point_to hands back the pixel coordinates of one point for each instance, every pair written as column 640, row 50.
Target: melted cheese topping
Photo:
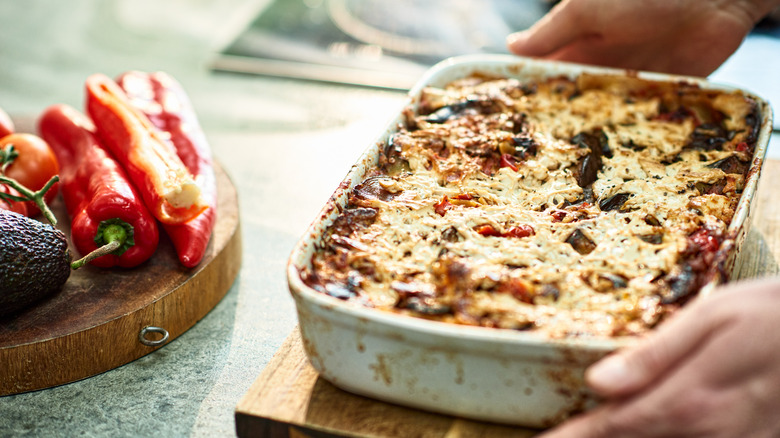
column 478, row 212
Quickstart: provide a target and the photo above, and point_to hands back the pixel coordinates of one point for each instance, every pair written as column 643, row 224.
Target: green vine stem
column 29, row 195
column 100, row 252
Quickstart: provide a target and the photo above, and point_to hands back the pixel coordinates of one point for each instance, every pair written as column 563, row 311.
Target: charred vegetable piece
column 413, row 297
column 708, row 137
column 730, row 164
column 681, row 285
column 394, row 162
column 616, row 281
column 353, row 219
column 339, row 291
column 35, row 260
column 374, row 188
column 550, row 290
column 581, row 242
column 614, row 202
column 427, row 306
column 655, row 239
column 590, row 166
column 587, row 198
column 605, row 281
column 450, row 234
column 447, row 112
column 524, row 147
column 652, row 220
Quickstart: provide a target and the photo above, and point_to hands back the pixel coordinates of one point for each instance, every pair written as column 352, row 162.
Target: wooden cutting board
column 289, row 399
column 95, row 323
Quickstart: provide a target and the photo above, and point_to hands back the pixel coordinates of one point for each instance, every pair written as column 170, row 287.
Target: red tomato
column 441, row 207
column 6, row 125
column 16, row 207
column 487, row 230
column 508, row 161
column 705, row 241
column 34, row 166
column 520, row 231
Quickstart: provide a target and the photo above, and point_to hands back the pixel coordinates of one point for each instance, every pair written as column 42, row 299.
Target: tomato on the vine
column 15, row 206
column 34, row 166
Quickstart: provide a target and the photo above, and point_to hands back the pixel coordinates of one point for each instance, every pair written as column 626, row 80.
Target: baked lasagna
column 578, row 207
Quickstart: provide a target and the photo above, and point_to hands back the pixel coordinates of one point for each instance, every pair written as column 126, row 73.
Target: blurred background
column 373, row 42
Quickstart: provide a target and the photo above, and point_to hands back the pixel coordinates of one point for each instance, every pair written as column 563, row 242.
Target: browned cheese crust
column 591, row 207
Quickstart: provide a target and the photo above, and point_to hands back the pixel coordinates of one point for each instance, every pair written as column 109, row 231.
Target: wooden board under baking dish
column 93, row 324
column 289, row 399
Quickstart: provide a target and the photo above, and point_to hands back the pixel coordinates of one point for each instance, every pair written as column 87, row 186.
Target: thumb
column 561, row 26
column 630, row 370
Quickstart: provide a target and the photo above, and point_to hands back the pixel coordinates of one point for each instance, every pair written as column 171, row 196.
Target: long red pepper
column 165, row 183
column 102, row 203
column 163, row 100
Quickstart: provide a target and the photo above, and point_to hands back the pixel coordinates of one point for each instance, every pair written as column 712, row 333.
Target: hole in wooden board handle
column 142, row 336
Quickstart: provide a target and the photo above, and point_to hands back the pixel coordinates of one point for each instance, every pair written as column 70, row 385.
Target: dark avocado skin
column 34, row 261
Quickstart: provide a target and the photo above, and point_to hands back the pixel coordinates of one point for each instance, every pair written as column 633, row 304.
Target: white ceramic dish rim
column 439, row 75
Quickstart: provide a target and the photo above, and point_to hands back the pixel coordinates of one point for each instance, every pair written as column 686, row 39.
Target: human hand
column 711, row 370
column 690, row 37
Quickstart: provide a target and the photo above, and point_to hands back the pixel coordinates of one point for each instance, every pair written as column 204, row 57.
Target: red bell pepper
column 163, row 100
column 103, row 205
column 165, row 183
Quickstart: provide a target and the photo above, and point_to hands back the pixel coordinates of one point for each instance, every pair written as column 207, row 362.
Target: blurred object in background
column 755, row 64
column 373, row 42
column 391, row 44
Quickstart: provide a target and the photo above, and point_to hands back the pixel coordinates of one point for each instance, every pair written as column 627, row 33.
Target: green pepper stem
column 36, row 197
column 106, row 249
column 114, row 234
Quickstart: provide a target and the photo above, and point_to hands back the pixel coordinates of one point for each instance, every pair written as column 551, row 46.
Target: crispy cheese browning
column 590, row 207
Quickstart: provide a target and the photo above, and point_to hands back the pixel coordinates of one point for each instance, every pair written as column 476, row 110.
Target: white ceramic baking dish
column 480, row 373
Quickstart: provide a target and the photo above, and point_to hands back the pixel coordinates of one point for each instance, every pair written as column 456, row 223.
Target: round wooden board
column 93, row 324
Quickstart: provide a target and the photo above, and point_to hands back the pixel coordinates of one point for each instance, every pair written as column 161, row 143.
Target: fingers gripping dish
column 519, row 220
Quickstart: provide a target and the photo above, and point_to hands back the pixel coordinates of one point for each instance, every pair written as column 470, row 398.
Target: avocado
column 34, row 261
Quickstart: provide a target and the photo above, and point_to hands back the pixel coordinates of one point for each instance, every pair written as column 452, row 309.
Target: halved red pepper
column 102, row 203
column 165, row 183
column 163, row 100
